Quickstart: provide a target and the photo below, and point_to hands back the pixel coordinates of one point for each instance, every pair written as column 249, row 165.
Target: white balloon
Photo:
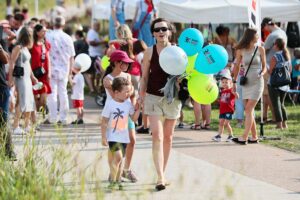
column 84, row 61
column 173, row 60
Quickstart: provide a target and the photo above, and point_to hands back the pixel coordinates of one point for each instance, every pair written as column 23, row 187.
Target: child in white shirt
column 114, row 127
column 78, row 93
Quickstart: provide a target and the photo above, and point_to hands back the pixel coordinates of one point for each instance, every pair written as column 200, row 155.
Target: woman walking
column 246, row 50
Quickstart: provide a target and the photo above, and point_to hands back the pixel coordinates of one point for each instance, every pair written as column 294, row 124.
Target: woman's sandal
column 236, row 140
column 160, row 186
column 206, row 127
column 196, row 127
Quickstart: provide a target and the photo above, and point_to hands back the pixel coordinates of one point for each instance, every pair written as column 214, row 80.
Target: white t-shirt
column 94, row 50
column 78, row 87
column 118, row 114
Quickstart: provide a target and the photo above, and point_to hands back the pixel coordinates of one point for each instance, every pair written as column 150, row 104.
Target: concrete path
column 198, row 168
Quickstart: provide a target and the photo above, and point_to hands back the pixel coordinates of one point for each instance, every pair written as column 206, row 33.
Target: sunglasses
column 158, row 29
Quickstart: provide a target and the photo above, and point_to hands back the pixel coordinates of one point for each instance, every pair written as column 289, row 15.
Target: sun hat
column 119, row 55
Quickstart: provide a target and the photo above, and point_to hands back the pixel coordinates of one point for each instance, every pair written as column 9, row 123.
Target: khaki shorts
column 156, row 105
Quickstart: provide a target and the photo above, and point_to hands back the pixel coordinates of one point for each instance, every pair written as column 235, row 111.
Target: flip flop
column 196, row 127
column 206, row 127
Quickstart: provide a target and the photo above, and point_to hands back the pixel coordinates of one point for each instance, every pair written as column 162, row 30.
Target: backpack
column 280, row 75
column 293, row 35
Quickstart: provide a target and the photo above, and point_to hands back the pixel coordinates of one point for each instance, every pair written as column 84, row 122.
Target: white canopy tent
column 226, row 11
column 102, row 10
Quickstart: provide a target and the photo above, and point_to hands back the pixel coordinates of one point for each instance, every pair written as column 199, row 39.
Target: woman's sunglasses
column 158, row 29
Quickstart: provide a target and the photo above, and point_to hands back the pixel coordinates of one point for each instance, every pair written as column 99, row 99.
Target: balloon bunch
column 194, row 62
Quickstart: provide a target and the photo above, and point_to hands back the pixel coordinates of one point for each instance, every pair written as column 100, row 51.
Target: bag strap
column 251, row 60
column 43, row 56
column 145, row 17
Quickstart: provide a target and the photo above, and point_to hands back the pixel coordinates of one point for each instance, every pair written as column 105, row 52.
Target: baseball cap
column 119, row 55
column 227, row 76
column 267, row 21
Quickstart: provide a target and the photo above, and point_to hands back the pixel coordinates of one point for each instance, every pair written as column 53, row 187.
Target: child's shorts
column 77, row 103
column 227, row 116
column 116, row 146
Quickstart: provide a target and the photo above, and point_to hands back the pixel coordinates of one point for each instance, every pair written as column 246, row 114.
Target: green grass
column 44, row 5
column 290, row 138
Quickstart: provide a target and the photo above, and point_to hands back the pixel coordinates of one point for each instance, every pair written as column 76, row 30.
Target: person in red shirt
column 40, row 64
column 226, row 101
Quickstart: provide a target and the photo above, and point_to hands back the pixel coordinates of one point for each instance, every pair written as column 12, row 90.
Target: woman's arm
column 4, row 58
column 145, row 72
column 14, row 56
column 107, row 82
column 263, row 60
column 272, row 65
column 237, row 64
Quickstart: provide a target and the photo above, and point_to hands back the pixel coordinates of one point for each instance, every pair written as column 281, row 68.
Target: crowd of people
column 37, row 63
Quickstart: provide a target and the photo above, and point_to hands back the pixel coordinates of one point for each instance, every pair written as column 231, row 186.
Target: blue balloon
column 211, row 59
column 191, row 41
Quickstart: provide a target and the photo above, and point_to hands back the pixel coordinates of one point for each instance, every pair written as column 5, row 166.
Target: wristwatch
column 234, row 81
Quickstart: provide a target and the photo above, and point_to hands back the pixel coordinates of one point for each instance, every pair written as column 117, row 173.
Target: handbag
column 280, row 75
column 40, row 71
column 18, row 69
column 243, row 79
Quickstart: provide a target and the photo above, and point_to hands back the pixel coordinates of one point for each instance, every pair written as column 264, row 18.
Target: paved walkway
column 198, row 168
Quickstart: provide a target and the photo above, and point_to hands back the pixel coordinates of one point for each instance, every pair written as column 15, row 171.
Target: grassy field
column 43, row 5
column 290, row 138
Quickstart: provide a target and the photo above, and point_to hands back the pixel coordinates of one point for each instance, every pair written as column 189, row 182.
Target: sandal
column 206, row 127
column 196, row 127
column 160, row 186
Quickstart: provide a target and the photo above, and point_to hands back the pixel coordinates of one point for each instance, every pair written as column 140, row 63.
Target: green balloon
column 202, row 88
column 191, row 64
column 105, row 62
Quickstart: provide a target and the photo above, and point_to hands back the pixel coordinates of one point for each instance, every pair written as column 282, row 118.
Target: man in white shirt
column 62, row 54
column 95, row 50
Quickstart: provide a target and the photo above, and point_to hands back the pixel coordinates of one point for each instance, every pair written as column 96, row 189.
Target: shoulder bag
column 243, row 79
column 280, row 75
column 40, row 71
column 18, row 69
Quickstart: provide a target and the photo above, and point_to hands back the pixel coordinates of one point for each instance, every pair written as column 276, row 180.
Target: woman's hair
column 128, row 48
column 248, row 36
column 79, row 33
column 279, row 42
column 25, row 37
column 37, row 28
column 124, row 31
column 220, row 30
column 158, row 20
column 297, row 53
column 139, row 46
column 119, row 83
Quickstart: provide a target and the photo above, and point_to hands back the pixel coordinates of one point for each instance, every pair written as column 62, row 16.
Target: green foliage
column 289, row 138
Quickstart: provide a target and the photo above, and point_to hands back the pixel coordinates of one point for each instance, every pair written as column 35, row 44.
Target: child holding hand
column 227, row 97
column 114, row 127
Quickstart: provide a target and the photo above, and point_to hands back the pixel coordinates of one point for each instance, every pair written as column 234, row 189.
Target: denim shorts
column 227, row 116
column 131, row 124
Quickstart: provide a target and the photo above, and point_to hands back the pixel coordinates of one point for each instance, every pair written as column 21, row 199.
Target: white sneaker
column 27, row 130
column 217, row 138
column 18, row 131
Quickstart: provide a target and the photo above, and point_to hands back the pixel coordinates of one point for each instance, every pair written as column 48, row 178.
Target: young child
column 78, row 93
column 114, row 127
column 226, row 101
column 296, row 73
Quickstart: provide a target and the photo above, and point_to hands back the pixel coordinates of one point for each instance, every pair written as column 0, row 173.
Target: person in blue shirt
column 117, row 17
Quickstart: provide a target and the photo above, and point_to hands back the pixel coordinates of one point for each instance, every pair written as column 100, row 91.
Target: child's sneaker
column 120, row 186
column 217, row 138
column 112, row 185
column 229, row 138
column 128, row 174
column 180, row 125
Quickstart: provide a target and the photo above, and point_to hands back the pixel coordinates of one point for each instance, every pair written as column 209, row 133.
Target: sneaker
column 47, row 122
column 217, row 138
column 180, row 125
column 18, row 131
column 112, row 186
column 129, row 175
column 11, row 156
column 120, row 186
column 62, row 122
column 229, row 138
column 78, row 121
column 143, row 130
column 27, row 130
